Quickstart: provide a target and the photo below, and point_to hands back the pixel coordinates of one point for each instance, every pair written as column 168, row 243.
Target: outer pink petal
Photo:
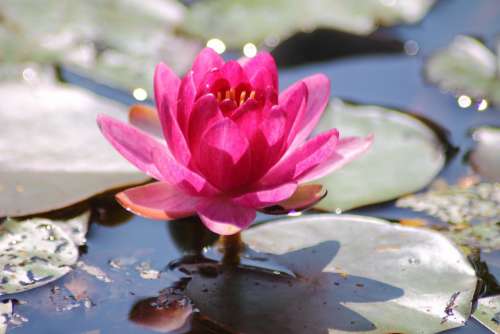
column 158, row 200
column 304, row 197
column 266, row 197
column 166, row 87
column 206, row 61
column 146, row 119
column 205, row 113
column 260, row 61
column 347, row 150
column 224, row 156
column 133, row 144
column 225, row 217
column 310, row 155
column 173, row 135
column 293, row 101
column 180, row 176
column 318, row 87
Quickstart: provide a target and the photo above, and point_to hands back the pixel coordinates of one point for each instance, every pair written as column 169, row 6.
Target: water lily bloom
column 224, row 144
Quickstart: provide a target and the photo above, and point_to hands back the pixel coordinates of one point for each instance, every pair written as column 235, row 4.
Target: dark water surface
column 393, row 79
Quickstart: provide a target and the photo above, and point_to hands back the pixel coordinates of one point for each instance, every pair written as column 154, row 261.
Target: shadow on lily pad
column 253, row 301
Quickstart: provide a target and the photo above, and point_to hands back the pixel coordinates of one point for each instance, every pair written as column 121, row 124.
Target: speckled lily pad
column 262, row 20
column 52, row 154
column 488, row 313
column 468, row 67
column 405, row 156
column 456, row 204
column 37, row 251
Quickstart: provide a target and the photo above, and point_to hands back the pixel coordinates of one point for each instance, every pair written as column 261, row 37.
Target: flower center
column 230, row 95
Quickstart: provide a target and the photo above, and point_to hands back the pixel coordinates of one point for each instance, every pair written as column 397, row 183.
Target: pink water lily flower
column 231, row 145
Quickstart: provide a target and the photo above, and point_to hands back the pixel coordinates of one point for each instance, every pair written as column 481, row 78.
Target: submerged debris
column 94, row 271
column 168, row 312
column 146, row 272
column 64, row 301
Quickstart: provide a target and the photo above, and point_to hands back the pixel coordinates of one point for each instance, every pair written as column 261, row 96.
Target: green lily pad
column 456, row 204
column 116, row 42
column 467, row 67
column 37, row 251
column 488, row 313
column 52, row 154
column 354, row 274
column 405, row 156
column 485, row 157
column 269, row 21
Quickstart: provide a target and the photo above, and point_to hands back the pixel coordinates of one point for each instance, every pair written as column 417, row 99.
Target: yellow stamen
column 219, row 96
column 242, row 96
column 252, row 95
column 227, row 94
column 233, row 94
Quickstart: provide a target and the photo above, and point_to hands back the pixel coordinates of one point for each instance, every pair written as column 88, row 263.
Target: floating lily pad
column 405, row 156
column 488, row 313
column 485, row 157
column 51, row 151
column 456, row 204
column 468, row 67
column 36, row 251
column 240, row 22
column 353, row 274
column 117, row 42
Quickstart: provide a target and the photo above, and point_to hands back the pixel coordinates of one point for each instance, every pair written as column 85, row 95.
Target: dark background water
column 374, row 69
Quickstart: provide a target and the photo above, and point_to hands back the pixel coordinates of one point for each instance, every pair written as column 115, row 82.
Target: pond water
column 119, row 243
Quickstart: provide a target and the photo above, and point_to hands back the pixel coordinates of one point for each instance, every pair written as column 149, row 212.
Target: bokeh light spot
column 217, row 45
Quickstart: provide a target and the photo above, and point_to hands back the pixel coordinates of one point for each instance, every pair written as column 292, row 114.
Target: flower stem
column 231, row 246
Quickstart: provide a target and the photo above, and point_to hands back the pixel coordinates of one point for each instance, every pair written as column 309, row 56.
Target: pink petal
column 347, row 150
column 233, row 73
column 266, row 197
column 304, row 197
column 166, row 87
column 180, row 176
column 205, row 113
column 267, row 142
column 262, row 79
column 293, row 101
column 133, row 144
column 146, row 119
column 318, row 88
column 186, row 98
column 224, row 156
column 158, row 200
column 206, row 61
column 263, row 60
column 224, row 217
column 173, row 135
column 310, row 155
